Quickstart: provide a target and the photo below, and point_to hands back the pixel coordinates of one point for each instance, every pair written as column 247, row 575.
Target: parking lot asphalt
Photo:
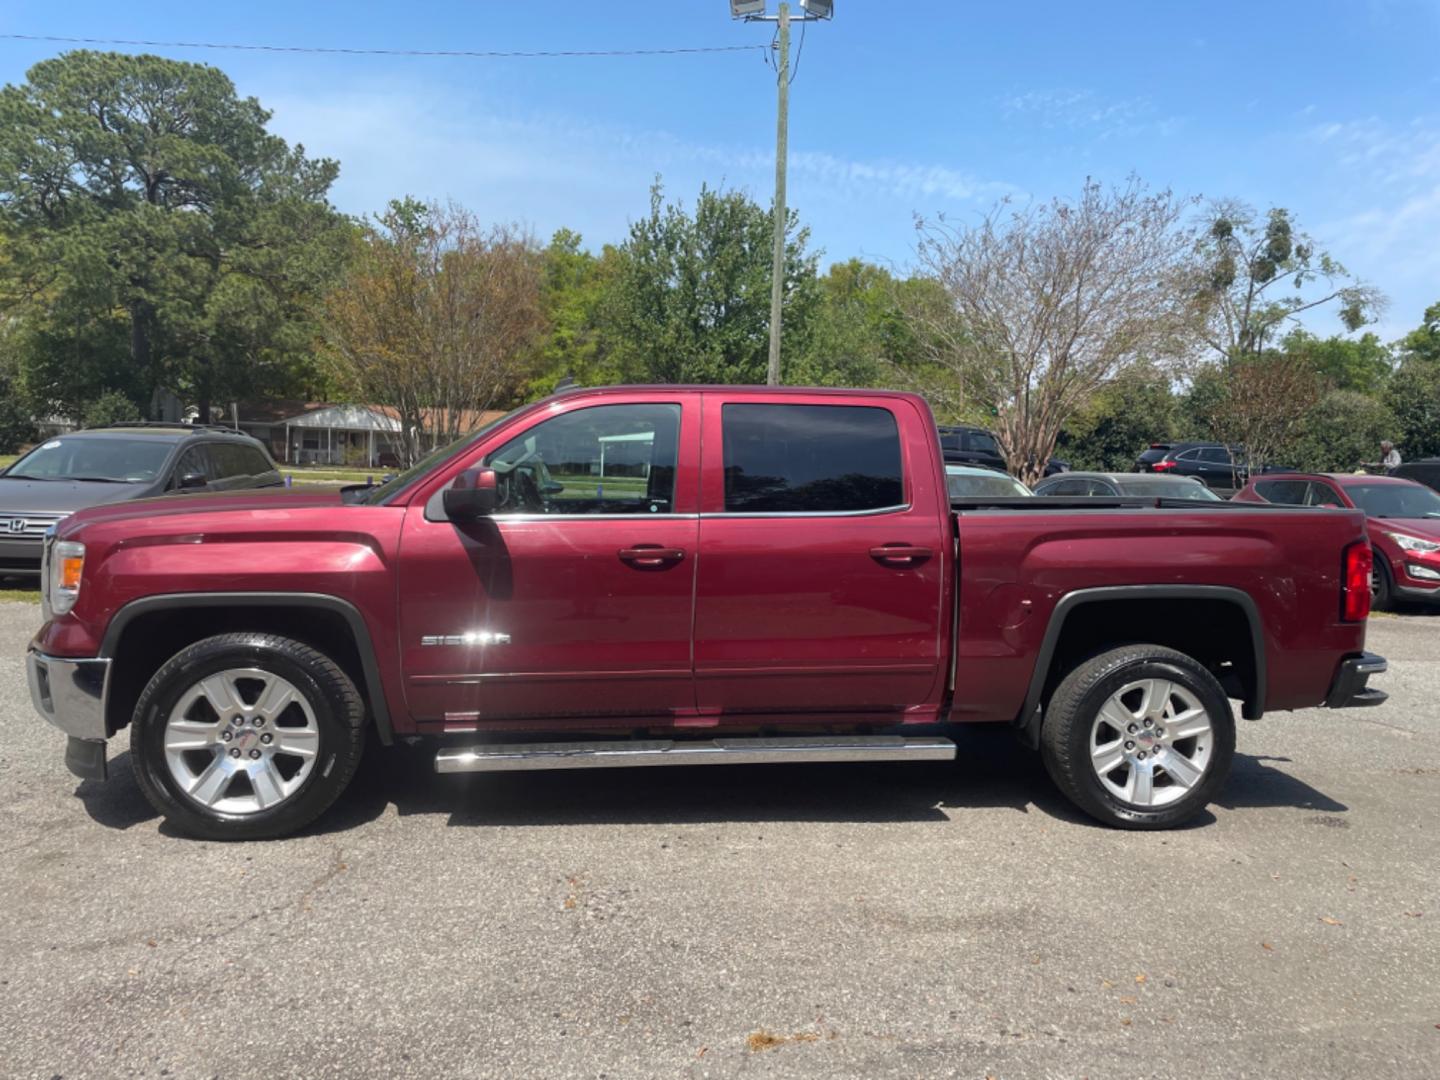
column 836, row 920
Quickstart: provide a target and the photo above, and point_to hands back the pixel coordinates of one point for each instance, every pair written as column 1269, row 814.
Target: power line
column 472, row 54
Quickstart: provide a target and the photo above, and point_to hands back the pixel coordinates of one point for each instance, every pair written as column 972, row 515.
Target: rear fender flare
column 1030, row 715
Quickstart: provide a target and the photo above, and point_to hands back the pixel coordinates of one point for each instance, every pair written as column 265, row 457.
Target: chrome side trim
column 70, row 693
column 522, row 757
column 500, row 519
column 738, row 514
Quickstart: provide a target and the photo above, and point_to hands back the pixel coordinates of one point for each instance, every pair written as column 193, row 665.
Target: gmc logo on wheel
column 17, row 525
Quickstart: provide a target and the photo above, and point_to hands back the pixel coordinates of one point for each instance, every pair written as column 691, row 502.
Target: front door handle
column 900, row 555
column 651, row 556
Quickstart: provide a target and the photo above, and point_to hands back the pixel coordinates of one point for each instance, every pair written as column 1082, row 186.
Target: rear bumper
column 71, row 694
column 1349, row 691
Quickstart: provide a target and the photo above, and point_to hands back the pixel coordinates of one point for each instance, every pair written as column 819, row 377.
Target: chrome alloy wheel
column 1151, row 742
column 241, row 740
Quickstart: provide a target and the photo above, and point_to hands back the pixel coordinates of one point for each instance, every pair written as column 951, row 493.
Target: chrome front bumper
column 71, row 694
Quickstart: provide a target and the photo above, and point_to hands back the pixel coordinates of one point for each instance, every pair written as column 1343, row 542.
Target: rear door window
column 1286, row 492
column 230, row 460
column 982, row 442
column 811, row 459
column 1324, row 495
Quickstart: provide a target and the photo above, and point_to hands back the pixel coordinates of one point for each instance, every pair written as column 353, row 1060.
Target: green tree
column 1361, row 364
column 575, row 286
column 1339, row 433
column 110, row 407
column 147, row 201
column 1413, row 393
column 690, row 300
column 1125, row 417
column 1252, row 277
column 16, row 416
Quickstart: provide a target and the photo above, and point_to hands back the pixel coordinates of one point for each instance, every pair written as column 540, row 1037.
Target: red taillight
column 1355, row 585
column 1163, row 466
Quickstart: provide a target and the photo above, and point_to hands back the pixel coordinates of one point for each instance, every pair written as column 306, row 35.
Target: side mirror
column 190, row 481
column 472, row 495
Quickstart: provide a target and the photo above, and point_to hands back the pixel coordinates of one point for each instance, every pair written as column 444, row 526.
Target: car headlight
column 67, row 564
column 1413, row 543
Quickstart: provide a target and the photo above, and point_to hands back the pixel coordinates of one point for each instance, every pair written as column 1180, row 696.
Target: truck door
column 575, row 598
column 823, row 547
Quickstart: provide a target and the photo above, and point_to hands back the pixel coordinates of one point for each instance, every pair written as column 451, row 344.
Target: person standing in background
column 1389, row 456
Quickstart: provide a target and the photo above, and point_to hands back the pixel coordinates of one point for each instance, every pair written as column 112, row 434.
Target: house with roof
column 321, row 433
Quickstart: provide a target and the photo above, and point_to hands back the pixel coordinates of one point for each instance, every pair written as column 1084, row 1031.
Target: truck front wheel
column 1139, row 737
column 246, row 736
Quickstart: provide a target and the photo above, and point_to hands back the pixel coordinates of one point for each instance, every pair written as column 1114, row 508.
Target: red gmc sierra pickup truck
column 686, row 575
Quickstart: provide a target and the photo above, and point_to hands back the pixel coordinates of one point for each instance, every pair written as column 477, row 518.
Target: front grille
column 27, row 525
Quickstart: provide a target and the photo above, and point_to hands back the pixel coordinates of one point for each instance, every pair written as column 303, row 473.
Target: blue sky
column 1329, row 107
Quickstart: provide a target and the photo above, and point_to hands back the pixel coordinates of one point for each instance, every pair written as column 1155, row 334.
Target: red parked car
column 1402, row 520
column 589, row 582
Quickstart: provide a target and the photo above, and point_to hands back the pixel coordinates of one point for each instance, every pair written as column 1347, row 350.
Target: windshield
column 117, row 460
column 1168, row 489
column 382, row 492
column 1395, row 500
column 983, row 485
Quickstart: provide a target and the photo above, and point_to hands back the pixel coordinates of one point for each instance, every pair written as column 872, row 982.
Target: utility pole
column 782, row 150
column 754, row 11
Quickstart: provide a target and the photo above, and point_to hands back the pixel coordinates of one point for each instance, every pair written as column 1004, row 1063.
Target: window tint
column 231, row 461
column 1324, row 495
column 196, row 460
column 1288, row 492
column 1188, row 455
column 1216, row 455
column 609, row 459
column 811, row 459
column 949, row 441
column 1072, row 486
column 982, row 442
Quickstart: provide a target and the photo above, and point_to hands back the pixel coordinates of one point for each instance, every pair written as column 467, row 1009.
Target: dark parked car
column 1425, row 471
column 963, row 444
column 1213, row 464
column 1126, row 484
column 105, row 465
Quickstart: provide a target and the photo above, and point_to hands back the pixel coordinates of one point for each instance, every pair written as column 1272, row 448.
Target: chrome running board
column 516, row 757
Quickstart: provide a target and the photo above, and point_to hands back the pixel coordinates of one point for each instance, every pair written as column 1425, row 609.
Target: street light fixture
column 754, row 11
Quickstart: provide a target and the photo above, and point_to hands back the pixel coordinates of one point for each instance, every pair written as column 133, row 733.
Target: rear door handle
column 900, row 555
column 651, row 556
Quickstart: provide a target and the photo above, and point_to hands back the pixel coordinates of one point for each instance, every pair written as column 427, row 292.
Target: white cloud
column 1390, row 176
column 1086, row 111
column 547, row 170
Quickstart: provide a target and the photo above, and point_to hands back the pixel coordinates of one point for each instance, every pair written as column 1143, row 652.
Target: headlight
column 67, row 562
column 1413, row 543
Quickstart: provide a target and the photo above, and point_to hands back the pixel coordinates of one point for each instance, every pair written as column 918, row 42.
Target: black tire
column 337, row 707
column 1382, row 590
column 1066, row 731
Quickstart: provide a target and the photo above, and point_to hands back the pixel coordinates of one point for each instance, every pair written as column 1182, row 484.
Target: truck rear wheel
column 1140, row 737
column 246, row 736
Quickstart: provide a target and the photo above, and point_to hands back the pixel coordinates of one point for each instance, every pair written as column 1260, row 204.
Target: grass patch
column 20, row 590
